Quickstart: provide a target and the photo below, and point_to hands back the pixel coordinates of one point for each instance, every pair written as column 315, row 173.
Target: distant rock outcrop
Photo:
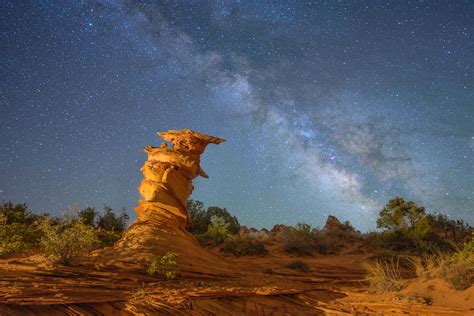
column 162, row 214
column 332, row 223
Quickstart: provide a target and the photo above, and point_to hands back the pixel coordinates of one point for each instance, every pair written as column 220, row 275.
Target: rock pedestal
column 162, row 214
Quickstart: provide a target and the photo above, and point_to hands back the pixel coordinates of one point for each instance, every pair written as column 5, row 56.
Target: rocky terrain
column 114, row 280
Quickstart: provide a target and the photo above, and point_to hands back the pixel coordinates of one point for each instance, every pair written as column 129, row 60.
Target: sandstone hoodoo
column 168, row 175
column 162, row 214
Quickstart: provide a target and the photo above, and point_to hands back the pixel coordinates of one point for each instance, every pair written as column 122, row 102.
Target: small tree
column 88, row 216
column 110, row 222
column 399, row 215
column 197, row 215
column 11, row 238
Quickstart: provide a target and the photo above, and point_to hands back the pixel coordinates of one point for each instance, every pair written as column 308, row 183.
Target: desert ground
column 251, row 285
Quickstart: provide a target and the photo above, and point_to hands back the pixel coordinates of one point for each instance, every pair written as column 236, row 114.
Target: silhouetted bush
column 88, row 216
column 299, row 266
column 458, row 269
column 244, row 246
column 111, row 222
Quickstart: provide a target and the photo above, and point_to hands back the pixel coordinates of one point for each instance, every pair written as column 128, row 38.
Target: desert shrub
column 11, row 237
column 111, row 222
column 88, row 216
column 18, row 232
column 216, row 232
column 107, row 238
column 302, row 241
column 384, row 276
column 344, row 232
column 165, row 266
column 299, row 266
column 458, row 269
column 64, row 241
column 408, row 228
column 458, row 272
column 244, row 246
column 201, row 219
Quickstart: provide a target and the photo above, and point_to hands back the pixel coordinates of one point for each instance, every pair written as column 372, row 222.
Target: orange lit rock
column 162, row 214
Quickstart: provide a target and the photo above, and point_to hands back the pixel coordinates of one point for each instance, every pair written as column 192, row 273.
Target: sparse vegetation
column 384, row 276
column 64, row 241
column 299, row 266
column 21, row 230
column 408, row 228
column 458, row 269
column 216, row 233
column 17, row 228
column 302, row 241
column 201, row 218
column 165, row 266
column 244, row 246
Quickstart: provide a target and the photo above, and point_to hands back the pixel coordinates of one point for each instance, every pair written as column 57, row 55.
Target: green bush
column 299, row 266
column 201, row 219
column 11, row 237
column 165, row 266
column 216, row 232
column 17, row 229
column 64, row 241
column 458, row 269
column 244, row 246
column 107, row 238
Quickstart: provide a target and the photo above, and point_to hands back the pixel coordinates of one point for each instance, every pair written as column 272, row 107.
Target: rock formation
column 168, row 175
column 332, row 223
column 162, row 214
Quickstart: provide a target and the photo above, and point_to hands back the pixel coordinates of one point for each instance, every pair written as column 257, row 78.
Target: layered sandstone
column 162, row 214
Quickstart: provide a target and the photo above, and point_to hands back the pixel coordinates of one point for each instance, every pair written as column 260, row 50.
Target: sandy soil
column 334, row 286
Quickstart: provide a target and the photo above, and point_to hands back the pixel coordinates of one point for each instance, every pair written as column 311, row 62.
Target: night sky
column 329, row 107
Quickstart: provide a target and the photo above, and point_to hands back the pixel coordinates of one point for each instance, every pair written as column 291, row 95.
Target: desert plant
column 165, row 265
column 11, row 237
column 201, row 218
column 299, row 266
column 216, row 232
column 107, row 238
column 244, row 246
column 109, row 221
column 384, row 276
column 424, row 267
column 302, row 241
column 66, row 240
column 458, row 269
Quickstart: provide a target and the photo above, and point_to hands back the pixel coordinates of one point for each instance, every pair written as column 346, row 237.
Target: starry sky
column 328, row 107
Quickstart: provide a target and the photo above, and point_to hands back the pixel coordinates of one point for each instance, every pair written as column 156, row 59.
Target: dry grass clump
column 299, row 266
column 425, row 267
column 384, row 276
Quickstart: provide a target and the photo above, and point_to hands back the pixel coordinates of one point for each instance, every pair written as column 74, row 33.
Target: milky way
column 327, row 107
